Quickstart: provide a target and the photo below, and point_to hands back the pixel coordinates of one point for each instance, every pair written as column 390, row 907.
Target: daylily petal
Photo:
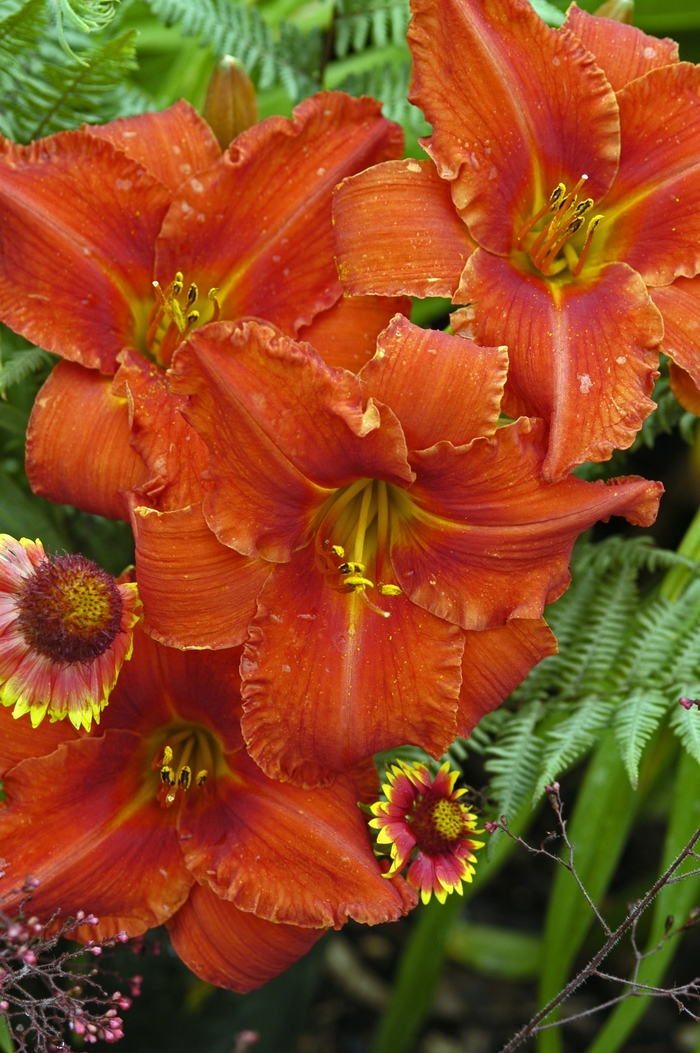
column 258, row 227
column 499, row 545
column 163, row 684
column 495, row 662
column 268, row 460
column 654, row 205
column 172, row 145
column 232, row 948
column 96, row 851
column 679, row 304
column 328, row 681
column 580, row 352
column 19, row 740
column 345, row 336
column 497, row 85
column 288, row 855
column 78, row 228
column 396, row 231
column 439, row 386
column 623, row 52
column 78, row 449
column 196, row 591
column 684, row 388
column 173, row 453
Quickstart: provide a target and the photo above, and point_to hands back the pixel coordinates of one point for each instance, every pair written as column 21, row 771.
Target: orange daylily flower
column 162, row 817
column 561, row 205
column 400, row 545
column 119, row 240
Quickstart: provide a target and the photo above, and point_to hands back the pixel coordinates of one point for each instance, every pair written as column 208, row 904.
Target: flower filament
column 171, row 321
column 568, row 216
column 357, row 522
column 184, row 762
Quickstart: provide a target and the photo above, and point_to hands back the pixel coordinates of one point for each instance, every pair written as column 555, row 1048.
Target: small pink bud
column 95, row 950
column 491, row 827
column 80, row 915
column 4, row 1005
column 122, row 936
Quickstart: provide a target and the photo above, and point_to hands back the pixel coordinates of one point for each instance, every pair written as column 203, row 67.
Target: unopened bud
column 230, row 106
column 618, row 10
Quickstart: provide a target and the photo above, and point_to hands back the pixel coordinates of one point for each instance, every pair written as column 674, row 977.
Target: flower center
column 551, row 244
column 174, row 316
column 187, row 756
column 69, row 609
column 353, row 537
column 436, row 823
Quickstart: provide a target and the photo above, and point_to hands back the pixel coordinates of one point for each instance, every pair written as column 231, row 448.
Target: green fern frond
column 686, row 725
column 636, row 719
column 567, row 741
column 388, row 82
column 514, row 759
column 291, row 58
column 22, row 365
column 359, row 24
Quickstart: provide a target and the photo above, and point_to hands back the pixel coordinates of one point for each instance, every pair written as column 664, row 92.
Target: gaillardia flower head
column 561, row 205
column 425, row 814
column 66, row 628
column 399, row 544
column 161, row 817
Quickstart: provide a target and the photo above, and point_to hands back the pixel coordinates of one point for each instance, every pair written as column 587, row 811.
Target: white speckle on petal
column 556, row 61
column 320, row 171
column 412, row 166
column 123, row 184
column 196, row 186
column 585, row 383
column 649, row 53
column 621, row 359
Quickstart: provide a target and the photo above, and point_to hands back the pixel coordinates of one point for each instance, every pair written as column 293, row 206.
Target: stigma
column 551, row 248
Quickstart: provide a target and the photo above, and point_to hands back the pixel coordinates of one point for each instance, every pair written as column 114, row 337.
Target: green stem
column 677, row 577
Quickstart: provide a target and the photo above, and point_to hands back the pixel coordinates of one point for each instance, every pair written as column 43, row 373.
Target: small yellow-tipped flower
column 230, row 106
column 424, row 815
column 66, row 629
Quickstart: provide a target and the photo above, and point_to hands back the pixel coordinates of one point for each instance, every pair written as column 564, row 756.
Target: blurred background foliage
column 602, row 715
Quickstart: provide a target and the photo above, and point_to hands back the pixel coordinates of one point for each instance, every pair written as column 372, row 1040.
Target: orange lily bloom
column 561, row 205
column 163, row 818
column 120, row 240
column 403, row 545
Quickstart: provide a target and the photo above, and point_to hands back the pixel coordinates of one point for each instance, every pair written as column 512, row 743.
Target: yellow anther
column 193, row 293
column 167, row 755
column 212, row 294
column 167, row 776
column 192, row 317
column 201, row 777
column 338, row 551
column 389, row 590
column 185, row 778
column 351, row 568
column 355, row 581
column 178, row 284
column 556, row 194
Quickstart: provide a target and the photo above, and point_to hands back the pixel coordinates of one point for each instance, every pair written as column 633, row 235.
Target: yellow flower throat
column 551, row 249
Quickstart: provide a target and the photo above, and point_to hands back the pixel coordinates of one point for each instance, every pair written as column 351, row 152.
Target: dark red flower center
column 69, row 609
column 551, row 243
column 436, row 823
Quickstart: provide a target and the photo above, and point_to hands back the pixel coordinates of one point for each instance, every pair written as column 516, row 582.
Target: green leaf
column 636, row 720
column 6, row 1043
column 22, row 365
column 673, row 900
column 567, row 741
column 686, row 725
column 492, row 951
column 32, row 517
column 514, row 762
column 548, row 12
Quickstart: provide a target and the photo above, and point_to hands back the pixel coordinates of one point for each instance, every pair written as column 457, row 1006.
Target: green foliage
column 54, row 76
column 290, row 56
column 357, row 24
column 623, row 663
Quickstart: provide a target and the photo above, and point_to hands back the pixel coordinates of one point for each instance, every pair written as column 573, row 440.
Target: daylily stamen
column 186, row 751
column 366, row 530
column 172, row 322
column 567, row 219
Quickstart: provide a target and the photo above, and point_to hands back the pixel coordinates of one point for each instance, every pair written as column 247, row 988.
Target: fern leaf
column 636, row 719
column 686, row 725
column 514, row 759
column 21, row 366
column 572, row 737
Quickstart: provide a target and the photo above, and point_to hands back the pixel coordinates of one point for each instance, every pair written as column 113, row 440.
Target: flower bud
column 230, row 106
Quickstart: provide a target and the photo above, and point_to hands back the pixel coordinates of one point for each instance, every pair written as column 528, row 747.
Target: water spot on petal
column 585, row 383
